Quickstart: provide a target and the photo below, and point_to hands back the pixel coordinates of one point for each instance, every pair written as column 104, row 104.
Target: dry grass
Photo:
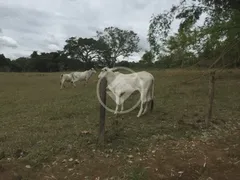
column 46, row 123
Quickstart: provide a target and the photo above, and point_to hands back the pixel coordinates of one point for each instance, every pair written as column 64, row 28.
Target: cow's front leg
column 117, row 104
column 122, row 103
column 85, row 82
column 122, row 107
column 73, row 83
column 61, row 84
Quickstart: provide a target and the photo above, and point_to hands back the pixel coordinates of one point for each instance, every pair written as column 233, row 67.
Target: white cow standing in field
column 123, row 85
column 76, row 76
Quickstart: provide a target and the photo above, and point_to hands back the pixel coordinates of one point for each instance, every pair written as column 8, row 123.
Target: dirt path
column 214, row 159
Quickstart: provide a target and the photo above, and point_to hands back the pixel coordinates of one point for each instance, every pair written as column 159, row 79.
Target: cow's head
column 93, row 70
column 104, row 72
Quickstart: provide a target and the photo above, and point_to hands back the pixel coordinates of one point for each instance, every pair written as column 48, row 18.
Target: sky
column 44, row 25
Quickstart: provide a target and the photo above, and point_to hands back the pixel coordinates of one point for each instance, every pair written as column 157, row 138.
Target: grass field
column 48, row 133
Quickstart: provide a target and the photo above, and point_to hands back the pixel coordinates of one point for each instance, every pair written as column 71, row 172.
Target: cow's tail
column 152, row 100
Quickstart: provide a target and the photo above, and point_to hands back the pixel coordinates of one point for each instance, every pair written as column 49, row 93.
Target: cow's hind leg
column 145, row 109
column 143, row 102
column 148, row 100
column 141, row 109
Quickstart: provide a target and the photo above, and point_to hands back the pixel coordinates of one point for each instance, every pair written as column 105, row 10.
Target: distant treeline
column 52, row 62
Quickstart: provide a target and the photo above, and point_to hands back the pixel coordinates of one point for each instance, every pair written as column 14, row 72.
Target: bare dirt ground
column 183, row 159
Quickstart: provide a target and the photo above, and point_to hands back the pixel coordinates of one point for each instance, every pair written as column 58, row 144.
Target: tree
column 180, row 47
column 148, row 58
column 5, row 63
column 21, row 64
column 119, row 43
column 34, row 54
column 222, row 22
column 84, row 49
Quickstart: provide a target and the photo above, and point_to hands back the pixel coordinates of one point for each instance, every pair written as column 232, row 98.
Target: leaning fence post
column 211, row 97
column 103, row 85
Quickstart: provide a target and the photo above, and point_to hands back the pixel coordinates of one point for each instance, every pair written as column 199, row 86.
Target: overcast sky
column 44, row 25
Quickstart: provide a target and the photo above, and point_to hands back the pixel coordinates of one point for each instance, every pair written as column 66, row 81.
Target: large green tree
column 222, row 22
column 119, row 42
column 86, row 50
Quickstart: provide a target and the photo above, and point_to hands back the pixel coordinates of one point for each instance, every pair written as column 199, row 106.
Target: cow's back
column 78, row 75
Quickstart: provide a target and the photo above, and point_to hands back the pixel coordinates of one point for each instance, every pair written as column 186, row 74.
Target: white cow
column 123, row 98
column 76, row 76
column 123, row 85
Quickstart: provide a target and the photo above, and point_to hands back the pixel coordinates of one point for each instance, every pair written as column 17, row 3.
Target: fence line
column 226, row 49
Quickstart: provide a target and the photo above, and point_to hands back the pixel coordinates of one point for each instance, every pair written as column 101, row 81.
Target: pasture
column 48, row 133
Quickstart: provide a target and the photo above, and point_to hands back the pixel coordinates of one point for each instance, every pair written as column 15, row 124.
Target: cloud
column 8, row 42
column 53, row 47
column 45, row 25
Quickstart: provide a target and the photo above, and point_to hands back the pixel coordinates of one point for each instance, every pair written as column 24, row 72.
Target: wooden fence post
column 211, row 97
column 103, row 85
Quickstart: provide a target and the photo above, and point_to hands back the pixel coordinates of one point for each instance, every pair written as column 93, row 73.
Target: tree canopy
column 120, row 43
column 86, row 50
column 220, row 27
